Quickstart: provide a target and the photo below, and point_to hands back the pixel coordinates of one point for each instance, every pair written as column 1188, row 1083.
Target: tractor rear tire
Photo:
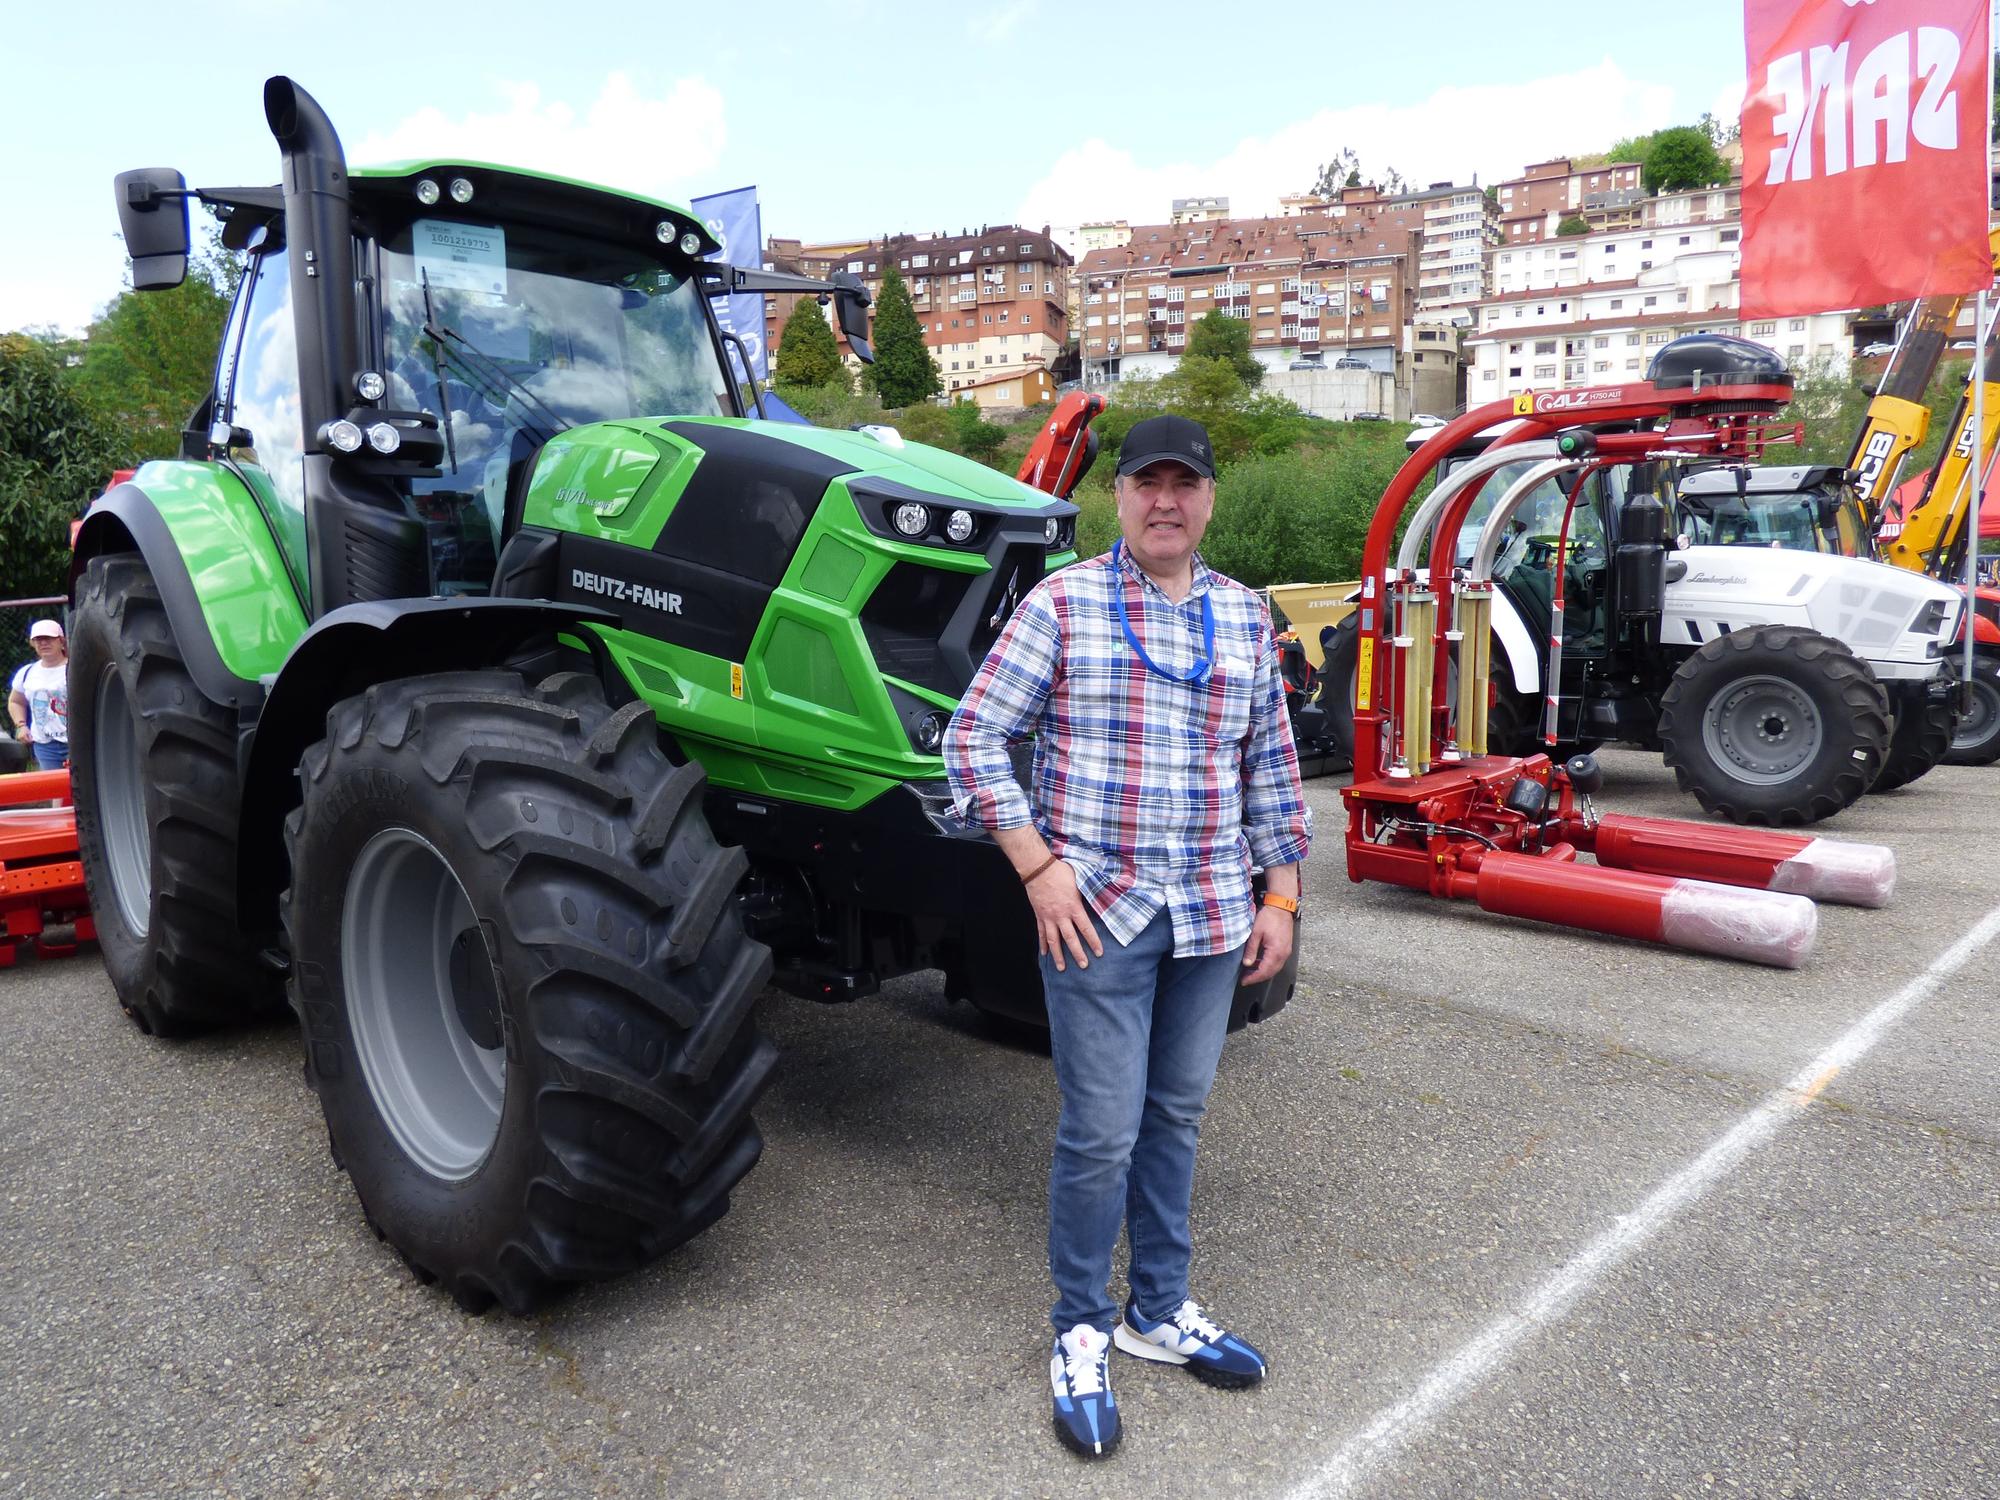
column 1977, row 742
column 1512, row 723
column 1776, row 725
column 523, row 980
column 1921, row 739
column 153, row 770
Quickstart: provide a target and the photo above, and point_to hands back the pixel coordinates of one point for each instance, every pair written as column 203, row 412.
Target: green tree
column 1344, row 171
column 57, row 451
column 807, row 353
column 1571, row 225
column 1216, row 335
column 903, row 372
column 149, row 360
column 1682, row 156
column 973, row 435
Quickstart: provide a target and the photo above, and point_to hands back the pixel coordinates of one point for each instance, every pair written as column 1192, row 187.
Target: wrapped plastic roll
column 1829, row 870
column 1765, row 927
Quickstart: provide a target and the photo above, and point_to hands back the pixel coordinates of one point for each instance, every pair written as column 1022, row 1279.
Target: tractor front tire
column 153, row 770
column 1776, row 725
column 524, row 984
column 1977, row 741
column 1921, row 738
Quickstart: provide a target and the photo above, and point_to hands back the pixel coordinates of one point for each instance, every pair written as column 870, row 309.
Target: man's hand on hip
column 1061, row 917
column 1269, row 946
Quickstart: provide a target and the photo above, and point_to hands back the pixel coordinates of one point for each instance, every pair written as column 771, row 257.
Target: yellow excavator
column 1927, row 533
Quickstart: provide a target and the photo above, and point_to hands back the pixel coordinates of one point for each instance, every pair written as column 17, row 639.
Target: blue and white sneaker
column 1086, row 1411
column 1188, row 1338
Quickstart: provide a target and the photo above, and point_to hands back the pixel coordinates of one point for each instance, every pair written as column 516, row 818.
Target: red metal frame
column 1060, row 452
column 1449, row 831
column 41, row 878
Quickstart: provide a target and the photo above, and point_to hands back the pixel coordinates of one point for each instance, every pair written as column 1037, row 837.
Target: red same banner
column 1864, row 152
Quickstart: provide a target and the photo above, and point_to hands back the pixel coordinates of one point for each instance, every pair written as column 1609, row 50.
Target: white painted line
column 1357, row 1458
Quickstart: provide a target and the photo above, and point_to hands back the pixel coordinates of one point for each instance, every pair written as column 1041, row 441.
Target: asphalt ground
column 1466, row 1192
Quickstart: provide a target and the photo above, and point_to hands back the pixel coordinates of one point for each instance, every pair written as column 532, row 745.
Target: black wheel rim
column 121, row 803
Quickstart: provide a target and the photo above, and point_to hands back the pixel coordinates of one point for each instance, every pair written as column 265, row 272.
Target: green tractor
column 489, row 676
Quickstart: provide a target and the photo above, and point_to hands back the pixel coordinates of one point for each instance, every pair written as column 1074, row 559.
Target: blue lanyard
column 1202, row 668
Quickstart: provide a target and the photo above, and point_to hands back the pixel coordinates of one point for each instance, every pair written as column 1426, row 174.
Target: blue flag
column 735, row 221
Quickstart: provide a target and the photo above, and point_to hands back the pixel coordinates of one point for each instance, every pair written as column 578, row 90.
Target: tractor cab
column 1800, row 507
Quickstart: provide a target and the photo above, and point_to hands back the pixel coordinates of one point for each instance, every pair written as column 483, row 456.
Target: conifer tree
column 904, row 372
column 807, row 353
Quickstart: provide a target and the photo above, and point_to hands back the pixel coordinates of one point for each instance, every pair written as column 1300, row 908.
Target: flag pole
column 1975, row 494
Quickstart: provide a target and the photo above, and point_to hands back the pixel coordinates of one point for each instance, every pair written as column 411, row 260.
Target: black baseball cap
column 1157, row 439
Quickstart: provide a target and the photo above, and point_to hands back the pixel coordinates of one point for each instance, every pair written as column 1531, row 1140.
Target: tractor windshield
column 1813, row 520
column 511, row 334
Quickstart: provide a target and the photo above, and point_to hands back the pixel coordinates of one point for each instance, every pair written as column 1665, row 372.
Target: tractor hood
column 1899, row 621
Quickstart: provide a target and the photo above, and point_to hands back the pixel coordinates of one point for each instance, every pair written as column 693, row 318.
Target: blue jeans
column 51, row 755
column 1136, row 1037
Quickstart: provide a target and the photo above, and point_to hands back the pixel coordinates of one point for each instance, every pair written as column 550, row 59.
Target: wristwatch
column 1283, row 903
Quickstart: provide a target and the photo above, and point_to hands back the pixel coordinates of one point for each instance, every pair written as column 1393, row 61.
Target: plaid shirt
column 1157, row 793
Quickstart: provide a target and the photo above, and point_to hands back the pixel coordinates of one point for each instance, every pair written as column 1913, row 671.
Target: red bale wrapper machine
column 41, row 877
column 1430, row 809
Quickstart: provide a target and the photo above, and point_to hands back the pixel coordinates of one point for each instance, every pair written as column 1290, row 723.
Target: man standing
column 38, row 697
column 1163, row 769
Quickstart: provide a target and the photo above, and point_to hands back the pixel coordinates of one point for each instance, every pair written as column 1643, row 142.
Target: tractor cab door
column 256, row 404
column 1526, row 565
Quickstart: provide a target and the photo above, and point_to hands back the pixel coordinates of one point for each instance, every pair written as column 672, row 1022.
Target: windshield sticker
column 461, row 257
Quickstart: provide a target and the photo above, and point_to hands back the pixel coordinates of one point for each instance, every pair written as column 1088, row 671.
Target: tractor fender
column 232, row 604
column 346, row 652
column 1523, row 665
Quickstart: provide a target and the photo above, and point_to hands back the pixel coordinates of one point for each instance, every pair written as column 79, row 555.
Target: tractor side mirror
column 850, row 306
column 153, row 214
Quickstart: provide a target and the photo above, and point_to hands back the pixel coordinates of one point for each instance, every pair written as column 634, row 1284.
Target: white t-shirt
column 47, row 691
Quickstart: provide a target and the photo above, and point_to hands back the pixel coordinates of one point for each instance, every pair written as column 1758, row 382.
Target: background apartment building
column 991, row 304
column 1314, row 287
column 1532, row 206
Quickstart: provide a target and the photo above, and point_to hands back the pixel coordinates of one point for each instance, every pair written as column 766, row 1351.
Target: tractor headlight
column 369, row 386
column 341, row 435
column 912, row 519
column 384, row 438
column 1052, row 530
column 930, row 733
column 958, row 525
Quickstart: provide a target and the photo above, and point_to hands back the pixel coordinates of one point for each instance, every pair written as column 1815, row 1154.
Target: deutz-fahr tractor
column 486, row 673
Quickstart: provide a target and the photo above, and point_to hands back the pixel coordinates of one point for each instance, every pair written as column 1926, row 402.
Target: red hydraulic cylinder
column 1823, row 869
column 1766, row 927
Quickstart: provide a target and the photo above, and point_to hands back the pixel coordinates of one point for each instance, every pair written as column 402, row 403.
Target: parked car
column 1309, row 362
column 1425, row 419
column 1869, row 351
column 1350, row 364
column 1369, row 416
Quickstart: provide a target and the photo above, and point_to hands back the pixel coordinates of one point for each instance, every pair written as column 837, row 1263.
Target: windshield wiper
column 486, row 372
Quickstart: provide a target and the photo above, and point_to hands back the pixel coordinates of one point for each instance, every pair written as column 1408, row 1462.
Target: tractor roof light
column 341, row 435
column 664, row 231
column 461, row 190
column 384, row 438
column 427, row 192
column 370, row 386
column 912, row 519
column 690, row 243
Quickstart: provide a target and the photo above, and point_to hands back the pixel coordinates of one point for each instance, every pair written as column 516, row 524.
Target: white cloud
column 1493, row 130
column 624, row 138
column 995, row 26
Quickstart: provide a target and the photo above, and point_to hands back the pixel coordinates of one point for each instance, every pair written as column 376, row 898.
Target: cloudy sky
column 852, row 116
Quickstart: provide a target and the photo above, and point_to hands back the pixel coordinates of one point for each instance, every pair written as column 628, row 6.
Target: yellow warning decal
column 1524, row 404
column 1364, row 674
column 736, row 679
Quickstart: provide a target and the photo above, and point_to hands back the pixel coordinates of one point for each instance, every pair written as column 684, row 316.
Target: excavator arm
column 1934, row 529
column 1897, row 421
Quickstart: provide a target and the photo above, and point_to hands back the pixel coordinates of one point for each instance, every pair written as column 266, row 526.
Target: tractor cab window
column 1815, row 520
column 1534, row 549
column 511, row 335
column 259, row 397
